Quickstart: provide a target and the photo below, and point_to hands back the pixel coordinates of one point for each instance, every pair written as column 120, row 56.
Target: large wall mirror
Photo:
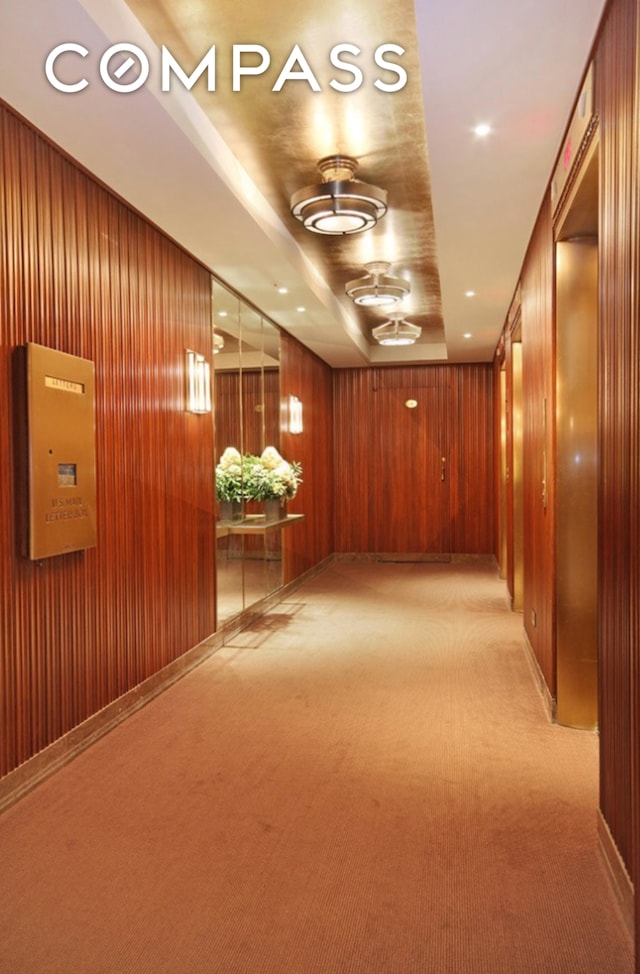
column 247, row 420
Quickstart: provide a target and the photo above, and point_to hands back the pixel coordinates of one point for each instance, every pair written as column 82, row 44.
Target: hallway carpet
column 365, row 782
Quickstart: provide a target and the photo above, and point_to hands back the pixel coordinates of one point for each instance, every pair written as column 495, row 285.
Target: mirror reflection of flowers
column 229, row 476
column 248, row 477
column 270, row 477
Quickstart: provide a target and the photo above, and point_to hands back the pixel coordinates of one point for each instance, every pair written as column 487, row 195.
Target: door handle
column 443, row 461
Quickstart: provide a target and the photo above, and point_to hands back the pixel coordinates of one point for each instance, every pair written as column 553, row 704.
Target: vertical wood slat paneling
column 617, row 101
column 234, row 399
column 352, row 441
column 82, row 273
column 473, row 528
column 538, row 393
column 227, row 411
column 238, row 422
column 302, row 374
column 466, row 393
column 617, row 86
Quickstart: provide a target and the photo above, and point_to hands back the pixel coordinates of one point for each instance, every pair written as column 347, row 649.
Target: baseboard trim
column 418, row 557
column 548, row 701
column 41, row 766
column 618, row 875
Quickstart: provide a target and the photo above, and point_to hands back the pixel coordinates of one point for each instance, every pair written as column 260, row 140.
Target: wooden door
column 411, row 482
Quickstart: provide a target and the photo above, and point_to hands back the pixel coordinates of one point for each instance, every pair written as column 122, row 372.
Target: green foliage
column 248, row 477
column 229, row 478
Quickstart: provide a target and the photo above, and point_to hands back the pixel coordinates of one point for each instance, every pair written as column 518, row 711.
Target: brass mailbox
column 61, row 452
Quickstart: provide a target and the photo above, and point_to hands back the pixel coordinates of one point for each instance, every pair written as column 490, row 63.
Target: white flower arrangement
column 273, row 478
column 229, row 477
column 248, row 477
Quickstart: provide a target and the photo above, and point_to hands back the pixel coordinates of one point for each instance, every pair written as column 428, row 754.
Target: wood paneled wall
column 472, row 459
column 370, row 416
column 538, row 393
column 617, row 96
column 238, row 420
column 304, row 375
column 84, row 274
column 618, row 105
column 228, row 411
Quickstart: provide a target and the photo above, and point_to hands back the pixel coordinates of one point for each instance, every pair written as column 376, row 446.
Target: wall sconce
column 295, row 415
column 198, row 391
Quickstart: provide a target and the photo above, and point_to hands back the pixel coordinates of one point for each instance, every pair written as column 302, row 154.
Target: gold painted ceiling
column 279, row 137
column 215, row 170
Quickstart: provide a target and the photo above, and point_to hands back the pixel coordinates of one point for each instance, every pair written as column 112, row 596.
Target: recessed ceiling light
column 467, row 334
column 280, row 289
column 469, row 294
column 482, row 130
column 222, row 314
column 301, row 308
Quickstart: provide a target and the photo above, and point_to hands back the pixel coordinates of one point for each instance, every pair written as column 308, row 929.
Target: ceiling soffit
column 279, row 137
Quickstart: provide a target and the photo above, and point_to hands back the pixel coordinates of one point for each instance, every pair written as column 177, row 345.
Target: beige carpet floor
column 365, row 782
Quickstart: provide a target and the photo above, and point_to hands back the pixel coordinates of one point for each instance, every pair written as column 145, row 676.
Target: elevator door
column 577, row 482
column 411, row 492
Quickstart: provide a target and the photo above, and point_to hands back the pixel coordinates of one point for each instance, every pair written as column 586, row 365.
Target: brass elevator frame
column 576, row 259
column 504, row 474
column 517, row 476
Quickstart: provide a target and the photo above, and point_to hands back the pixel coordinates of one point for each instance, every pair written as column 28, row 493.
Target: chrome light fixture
column 295, row 415
column 198, row 383
column 340, row 204
column 396, row 331
column 218, row 343
column 377, row 289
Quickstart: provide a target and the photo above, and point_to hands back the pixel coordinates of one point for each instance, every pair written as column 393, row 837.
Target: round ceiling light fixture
column 340, row 204
column 377, row 289
column 396, row 331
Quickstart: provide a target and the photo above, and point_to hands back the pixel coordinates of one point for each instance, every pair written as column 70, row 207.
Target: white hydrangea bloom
column 230, row 458
column 271, row 459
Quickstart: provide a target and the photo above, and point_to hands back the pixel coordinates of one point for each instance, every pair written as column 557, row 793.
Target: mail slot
column 61, row 452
